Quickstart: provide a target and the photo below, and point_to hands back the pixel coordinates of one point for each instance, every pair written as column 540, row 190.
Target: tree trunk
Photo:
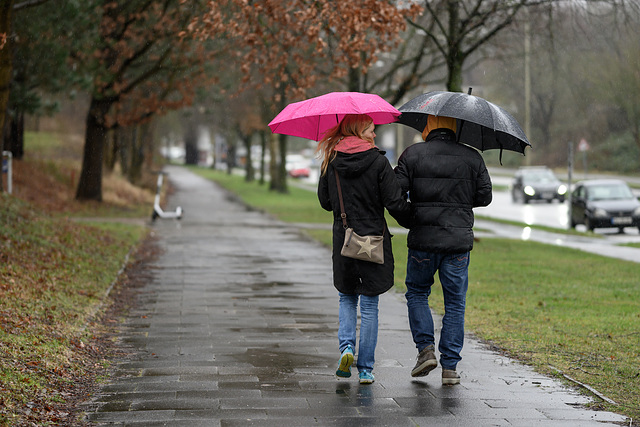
column 263, row 153
column 136, row 155
column 282, row 185
column 354, row 80
column 191, row 145
column 454, row 77
column 279, row 163
column 231, row 158
column 635, row 131
column 6, row 63
column 112, row 150
column 148, row 144
column 454, row 53
column 90, row 183
column 248, row 166
column 15, row 135
column 273, row 162
column 124, row 137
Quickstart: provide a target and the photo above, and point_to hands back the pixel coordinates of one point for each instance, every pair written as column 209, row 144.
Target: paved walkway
column 238, row 327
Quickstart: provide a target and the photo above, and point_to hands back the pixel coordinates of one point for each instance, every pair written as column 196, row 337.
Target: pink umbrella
column 313, row 117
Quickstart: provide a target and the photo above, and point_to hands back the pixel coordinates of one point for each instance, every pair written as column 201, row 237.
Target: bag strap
column 343, row 215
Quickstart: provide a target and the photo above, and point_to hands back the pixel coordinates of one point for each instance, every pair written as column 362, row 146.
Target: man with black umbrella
column 445, row 181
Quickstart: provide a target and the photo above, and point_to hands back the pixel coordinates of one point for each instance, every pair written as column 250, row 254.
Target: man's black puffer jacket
column 368, row 187
column 445, row 180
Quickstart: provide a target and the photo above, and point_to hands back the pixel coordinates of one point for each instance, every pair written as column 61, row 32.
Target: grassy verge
column 557, row 309
column 54, row 277
column 54, row 274
column 48, row 176
column 631, row 245
column 571, row 231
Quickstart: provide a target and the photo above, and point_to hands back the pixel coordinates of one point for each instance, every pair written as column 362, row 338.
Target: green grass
column 631, row 245
column 54, row 277
column 54, row 274
column 557, row 309
column 552, row 306
column 44, row 145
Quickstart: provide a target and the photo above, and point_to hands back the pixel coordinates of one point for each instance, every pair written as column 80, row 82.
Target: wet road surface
column 238, row 327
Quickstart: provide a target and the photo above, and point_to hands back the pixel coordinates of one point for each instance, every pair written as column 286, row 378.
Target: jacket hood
column 353, row 165
column 441, row 133
column 438, row 122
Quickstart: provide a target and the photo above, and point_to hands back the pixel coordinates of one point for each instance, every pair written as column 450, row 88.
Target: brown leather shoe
column 426, row 362
column 450, row 377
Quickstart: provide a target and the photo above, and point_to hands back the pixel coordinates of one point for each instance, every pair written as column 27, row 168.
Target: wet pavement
column 238, row 327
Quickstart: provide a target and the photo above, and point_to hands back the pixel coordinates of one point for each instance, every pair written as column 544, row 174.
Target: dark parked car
column 604, row 203
column 537, row 183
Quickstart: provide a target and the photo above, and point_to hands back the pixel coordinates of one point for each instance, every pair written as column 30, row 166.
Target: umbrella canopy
column 313, row 117
column 481, row 124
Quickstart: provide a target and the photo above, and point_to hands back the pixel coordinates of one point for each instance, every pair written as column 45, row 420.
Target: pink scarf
column 352, row 145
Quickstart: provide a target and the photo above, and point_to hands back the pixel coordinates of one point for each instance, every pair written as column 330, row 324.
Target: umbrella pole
column 462, row 122
column 460, row 130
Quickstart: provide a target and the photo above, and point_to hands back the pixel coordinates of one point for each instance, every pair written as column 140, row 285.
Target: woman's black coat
column 368, row 186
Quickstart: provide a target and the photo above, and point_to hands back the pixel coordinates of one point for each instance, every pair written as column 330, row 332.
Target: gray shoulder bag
column 365, row 248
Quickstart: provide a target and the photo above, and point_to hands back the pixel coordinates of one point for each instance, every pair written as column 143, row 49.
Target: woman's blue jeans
column 348, row 317
column 453, row 271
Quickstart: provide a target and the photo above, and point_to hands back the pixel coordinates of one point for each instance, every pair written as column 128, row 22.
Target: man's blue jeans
column 453, row 271
column 348, row 316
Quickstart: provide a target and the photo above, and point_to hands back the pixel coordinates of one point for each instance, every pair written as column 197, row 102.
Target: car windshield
column 610, row 192
column 541, row 177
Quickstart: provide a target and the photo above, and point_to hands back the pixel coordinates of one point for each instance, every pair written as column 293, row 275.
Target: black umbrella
column 481, row 124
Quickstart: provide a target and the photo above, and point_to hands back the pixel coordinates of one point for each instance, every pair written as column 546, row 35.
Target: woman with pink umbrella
column 355, row 170
column 344, row 123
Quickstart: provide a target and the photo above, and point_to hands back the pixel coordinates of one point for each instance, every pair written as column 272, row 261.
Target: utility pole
column 569, row 175
column 527, row 81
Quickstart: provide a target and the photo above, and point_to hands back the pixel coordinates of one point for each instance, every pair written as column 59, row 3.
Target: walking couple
column 431, row 192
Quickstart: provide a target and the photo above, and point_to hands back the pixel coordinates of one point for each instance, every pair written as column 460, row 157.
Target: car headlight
column 562, row 189
column 636, row 212
column 599, row 212
column 529, row 191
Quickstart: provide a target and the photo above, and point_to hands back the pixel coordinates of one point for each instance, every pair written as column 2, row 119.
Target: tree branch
column 28, row 4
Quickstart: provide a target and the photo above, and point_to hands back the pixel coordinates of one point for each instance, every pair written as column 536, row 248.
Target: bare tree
column 458, row 29
column 290, row 47
column 577, row 84
column 140, row 67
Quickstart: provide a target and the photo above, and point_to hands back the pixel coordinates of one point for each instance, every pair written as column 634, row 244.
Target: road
column 541, row 213
column 553, row 215
column 534, row 213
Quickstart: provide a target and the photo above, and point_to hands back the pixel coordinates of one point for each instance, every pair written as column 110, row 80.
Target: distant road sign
column 583, row 145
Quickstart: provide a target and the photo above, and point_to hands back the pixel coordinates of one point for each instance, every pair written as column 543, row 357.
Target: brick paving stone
column 238, row 326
